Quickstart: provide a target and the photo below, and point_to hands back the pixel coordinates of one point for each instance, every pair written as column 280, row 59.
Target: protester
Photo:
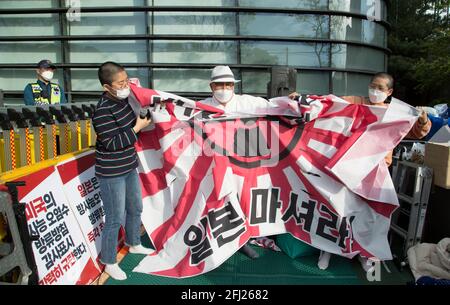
column 116, row 161
column 380, row 92
column 381, row 89
column 222, row 87
column 223, row 97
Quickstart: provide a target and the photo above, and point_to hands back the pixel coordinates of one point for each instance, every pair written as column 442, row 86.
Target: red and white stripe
column 335, row 162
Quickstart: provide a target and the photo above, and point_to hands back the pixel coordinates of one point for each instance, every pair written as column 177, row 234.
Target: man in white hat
column 222, row 86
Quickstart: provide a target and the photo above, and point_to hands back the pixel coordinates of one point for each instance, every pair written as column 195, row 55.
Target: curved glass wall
column 173, row 44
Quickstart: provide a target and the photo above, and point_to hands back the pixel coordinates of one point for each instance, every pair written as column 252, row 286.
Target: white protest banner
column 61, row 252
column 82, row 190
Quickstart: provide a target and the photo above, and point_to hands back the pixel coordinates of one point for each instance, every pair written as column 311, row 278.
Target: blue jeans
column 122, row 201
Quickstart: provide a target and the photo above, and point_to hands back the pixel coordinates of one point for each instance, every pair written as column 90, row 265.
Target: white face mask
column 123, row 93
column 223, row 95
column 377, row 96
column 47, row 75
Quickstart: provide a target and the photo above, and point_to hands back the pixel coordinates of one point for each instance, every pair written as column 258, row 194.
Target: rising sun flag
column 213, row 180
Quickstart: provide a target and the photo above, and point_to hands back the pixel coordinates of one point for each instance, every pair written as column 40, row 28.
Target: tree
column 420, row 44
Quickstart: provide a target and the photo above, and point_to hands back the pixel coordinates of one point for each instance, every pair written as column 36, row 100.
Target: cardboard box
column 437, row 156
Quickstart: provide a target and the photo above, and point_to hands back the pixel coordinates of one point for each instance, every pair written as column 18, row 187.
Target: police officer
column 43, row 91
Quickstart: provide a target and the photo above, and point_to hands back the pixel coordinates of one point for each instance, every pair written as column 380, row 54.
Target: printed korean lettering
column 196, row 238
column 223, row 221
column 294, row 211
column 34, row 207
column 264, row 206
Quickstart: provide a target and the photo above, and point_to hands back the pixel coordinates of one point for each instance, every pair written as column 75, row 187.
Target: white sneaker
column 324, row 260
column 115, row 272
column 139, row 249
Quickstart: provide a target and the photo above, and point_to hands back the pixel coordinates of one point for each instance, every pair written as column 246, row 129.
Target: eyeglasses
column 122, row 84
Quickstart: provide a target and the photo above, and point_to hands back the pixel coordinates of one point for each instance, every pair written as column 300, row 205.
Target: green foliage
column 420, row 44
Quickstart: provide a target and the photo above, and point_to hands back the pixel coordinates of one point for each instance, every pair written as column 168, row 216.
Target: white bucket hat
column 222, row 74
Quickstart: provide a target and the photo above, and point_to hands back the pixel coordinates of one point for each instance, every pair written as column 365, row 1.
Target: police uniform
column 42, row 97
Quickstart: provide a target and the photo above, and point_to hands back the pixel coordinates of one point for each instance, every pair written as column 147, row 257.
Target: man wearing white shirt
column 223, row 97
column 222, row 87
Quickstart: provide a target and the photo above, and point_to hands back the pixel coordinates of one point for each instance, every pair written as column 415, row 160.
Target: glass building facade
column 172, row 45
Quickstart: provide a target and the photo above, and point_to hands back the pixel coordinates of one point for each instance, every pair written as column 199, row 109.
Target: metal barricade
column 30, row 134
column 37, row 132
column 50, row 128
column 73, row 128
column 83, row 130
column 9, row 151
column 89, row 110
column 24, row 136
column 63, row 128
